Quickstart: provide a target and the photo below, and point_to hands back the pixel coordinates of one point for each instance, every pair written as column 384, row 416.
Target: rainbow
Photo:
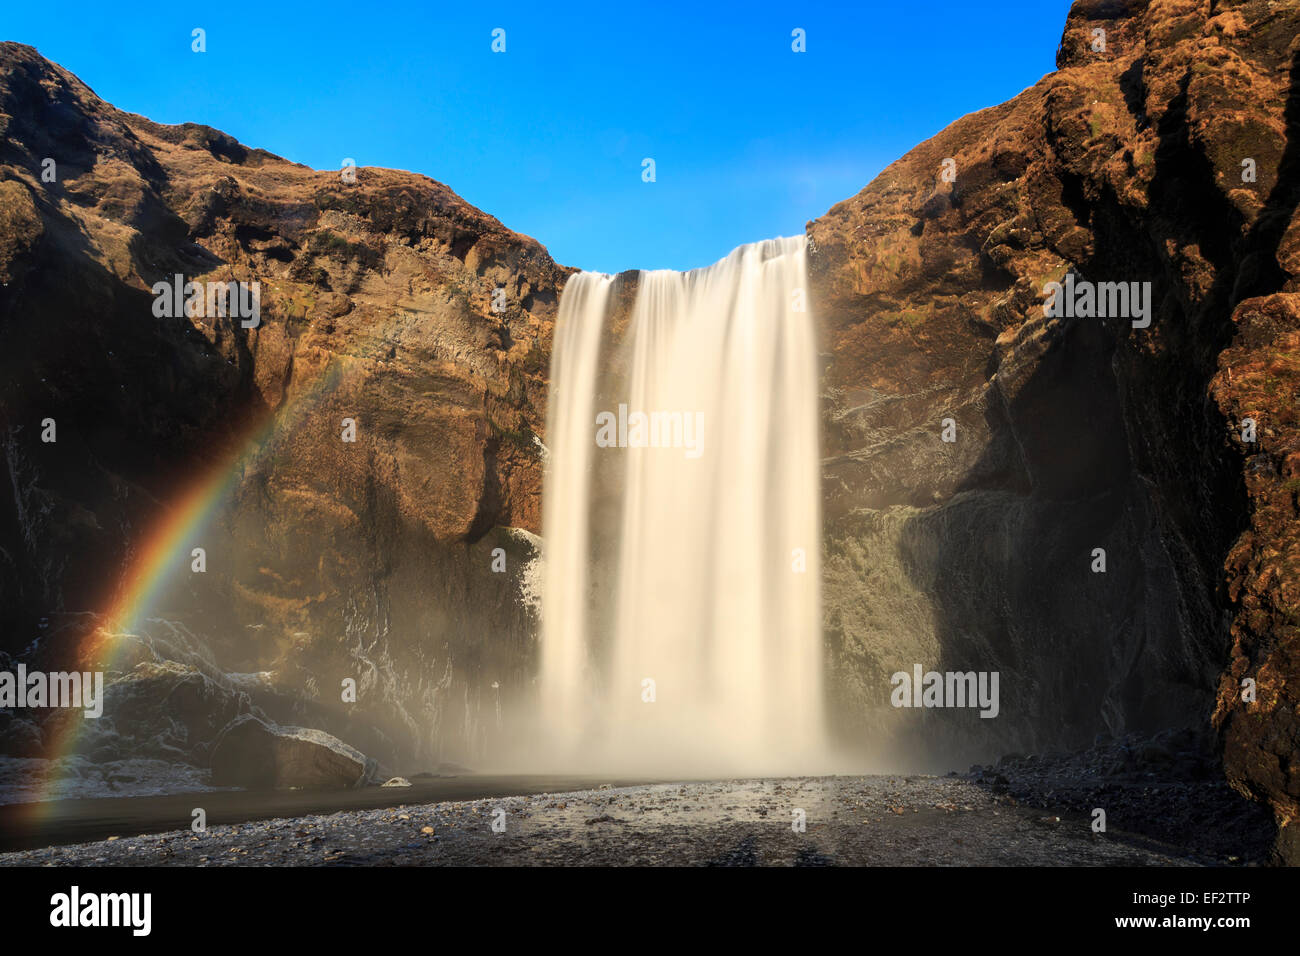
column 166, row 547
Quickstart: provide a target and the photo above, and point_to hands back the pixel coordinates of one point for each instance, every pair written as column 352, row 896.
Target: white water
column 681, row 569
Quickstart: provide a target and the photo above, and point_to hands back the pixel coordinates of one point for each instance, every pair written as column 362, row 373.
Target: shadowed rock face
column 325, row 559
column 1078, row 433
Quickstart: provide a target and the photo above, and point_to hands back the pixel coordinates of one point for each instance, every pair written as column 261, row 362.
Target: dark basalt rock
column 253, row 753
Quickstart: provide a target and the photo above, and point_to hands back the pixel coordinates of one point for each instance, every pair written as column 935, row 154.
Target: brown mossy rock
column 1073, row 434
column 379, row 304
column 20, row 227
column 1259, row 382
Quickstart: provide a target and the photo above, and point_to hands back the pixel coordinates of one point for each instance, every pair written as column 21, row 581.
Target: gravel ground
column 877, row 820
column 1168, row 787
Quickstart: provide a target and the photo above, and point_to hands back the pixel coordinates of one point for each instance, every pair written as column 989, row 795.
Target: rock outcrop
column 1164, row 150
column 252, row 753
column 385, row 300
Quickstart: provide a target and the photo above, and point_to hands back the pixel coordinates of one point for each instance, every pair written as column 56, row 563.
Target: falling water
column 681, row 519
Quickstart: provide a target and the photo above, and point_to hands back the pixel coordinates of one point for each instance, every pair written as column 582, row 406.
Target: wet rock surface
column 850, row 821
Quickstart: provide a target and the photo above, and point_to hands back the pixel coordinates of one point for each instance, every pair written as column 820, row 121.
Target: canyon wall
column 1166, row 154
column 1163, row 150
column 326, row 559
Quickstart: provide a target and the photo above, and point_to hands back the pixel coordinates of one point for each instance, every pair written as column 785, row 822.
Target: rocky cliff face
column 384, row 299
column 1164, row 150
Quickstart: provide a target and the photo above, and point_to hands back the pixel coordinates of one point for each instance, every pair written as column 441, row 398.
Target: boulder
column 253, row 753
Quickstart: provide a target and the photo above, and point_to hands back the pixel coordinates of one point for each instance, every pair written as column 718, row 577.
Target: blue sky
column 750, row 140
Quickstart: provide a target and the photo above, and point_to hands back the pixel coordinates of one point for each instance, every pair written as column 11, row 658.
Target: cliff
column 1163, row 150
column 384, row 299
column 1163, row 153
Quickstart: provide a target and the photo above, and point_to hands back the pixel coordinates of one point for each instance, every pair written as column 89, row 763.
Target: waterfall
column 681, row 519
